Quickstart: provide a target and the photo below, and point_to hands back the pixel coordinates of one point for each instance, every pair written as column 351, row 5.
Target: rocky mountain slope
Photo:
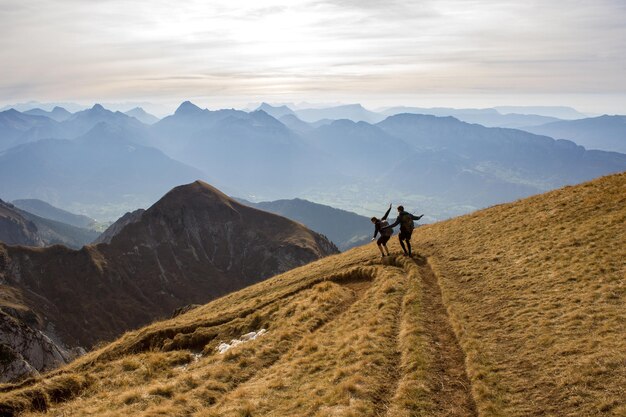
column 42, row 209
column 15, row 229
column 191, row 246
column 516, row 310
column 118, row 225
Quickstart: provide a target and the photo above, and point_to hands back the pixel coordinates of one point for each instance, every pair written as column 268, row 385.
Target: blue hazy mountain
column 440, row 164
column 83, row 121
column 605, row 132
column 48, row 211
column 485, row 117
column 17, row 128
column 47, row 106
column 250, row 153
column 142, row 115
column 560, row 112
column 344, row 228
column 487, row 159
column 358, row 148
column 354, row 112
column 104, row 166
column 297, row 125
column 275, row 111
column 57, row 113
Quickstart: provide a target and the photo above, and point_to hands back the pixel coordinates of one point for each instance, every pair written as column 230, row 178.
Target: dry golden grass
column 536, row 291
column 516, row 310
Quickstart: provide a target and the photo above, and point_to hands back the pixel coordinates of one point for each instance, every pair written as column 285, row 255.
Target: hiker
column 405, row 220
column 385, row 235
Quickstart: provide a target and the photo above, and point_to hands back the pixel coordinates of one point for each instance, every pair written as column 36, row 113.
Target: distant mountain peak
column 98, row 107
column 274, row 111
column 265, row 105
column 187, row 107
column 143, row 116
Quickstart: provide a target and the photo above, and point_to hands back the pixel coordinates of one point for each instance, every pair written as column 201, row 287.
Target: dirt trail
column 450, row 385
column 387, row 391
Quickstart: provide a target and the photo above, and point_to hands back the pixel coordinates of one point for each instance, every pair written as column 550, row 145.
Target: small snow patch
column 223, row 347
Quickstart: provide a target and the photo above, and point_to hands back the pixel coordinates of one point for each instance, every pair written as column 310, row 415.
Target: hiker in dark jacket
column 405, row 220
column 385, row 235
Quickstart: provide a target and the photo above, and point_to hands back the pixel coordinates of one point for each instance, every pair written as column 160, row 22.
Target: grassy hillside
column 516, row 310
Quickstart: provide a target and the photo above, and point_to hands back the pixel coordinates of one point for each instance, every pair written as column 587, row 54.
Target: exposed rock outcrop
column 115, row 228
column 25, row 351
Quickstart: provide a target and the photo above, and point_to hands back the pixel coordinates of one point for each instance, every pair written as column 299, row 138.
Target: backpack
column 385, row 232
column 406, row 222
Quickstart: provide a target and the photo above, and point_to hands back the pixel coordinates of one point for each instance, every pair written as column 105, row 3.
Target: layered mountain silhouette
column 259, row 153
column 17, row 128
column 441, row 165
column 560, row 112
column 453, row 158
column 606, row 132
column 344, row 228
column 354, row 112
column 57, row 113
column 485, row 117
column 101, row 167
column 142, row 115
column 275, row 111
column 515, row 310
column 20, row 227
column 43, row 209
column 193, row 245
column 358, row 149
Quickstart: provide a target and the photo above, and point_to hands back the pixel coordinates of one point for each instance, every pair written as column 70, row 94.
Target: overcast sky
column 229, row 53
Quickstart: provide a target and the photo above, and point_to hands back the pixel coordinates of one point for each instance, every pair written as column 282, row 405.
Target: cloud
column 71, row 49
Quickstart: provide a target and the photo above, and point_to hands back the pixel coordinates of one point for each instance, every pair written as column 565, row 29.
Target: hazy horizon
column 162, row 109
column 230, row 53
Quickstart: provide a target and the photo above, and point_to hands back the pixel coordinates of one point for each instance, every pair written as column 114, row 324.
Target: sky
column 228, row 53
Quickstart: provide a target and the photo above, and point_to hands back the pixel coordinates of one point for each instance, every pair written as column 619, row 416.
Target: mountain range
column 191, row 246
column 606, row 132
column 107, row 163
column 100, row 168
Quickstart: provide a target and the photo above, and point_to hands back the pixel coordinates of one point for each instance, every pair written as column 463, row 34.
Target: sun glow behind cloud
column 310, row 49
